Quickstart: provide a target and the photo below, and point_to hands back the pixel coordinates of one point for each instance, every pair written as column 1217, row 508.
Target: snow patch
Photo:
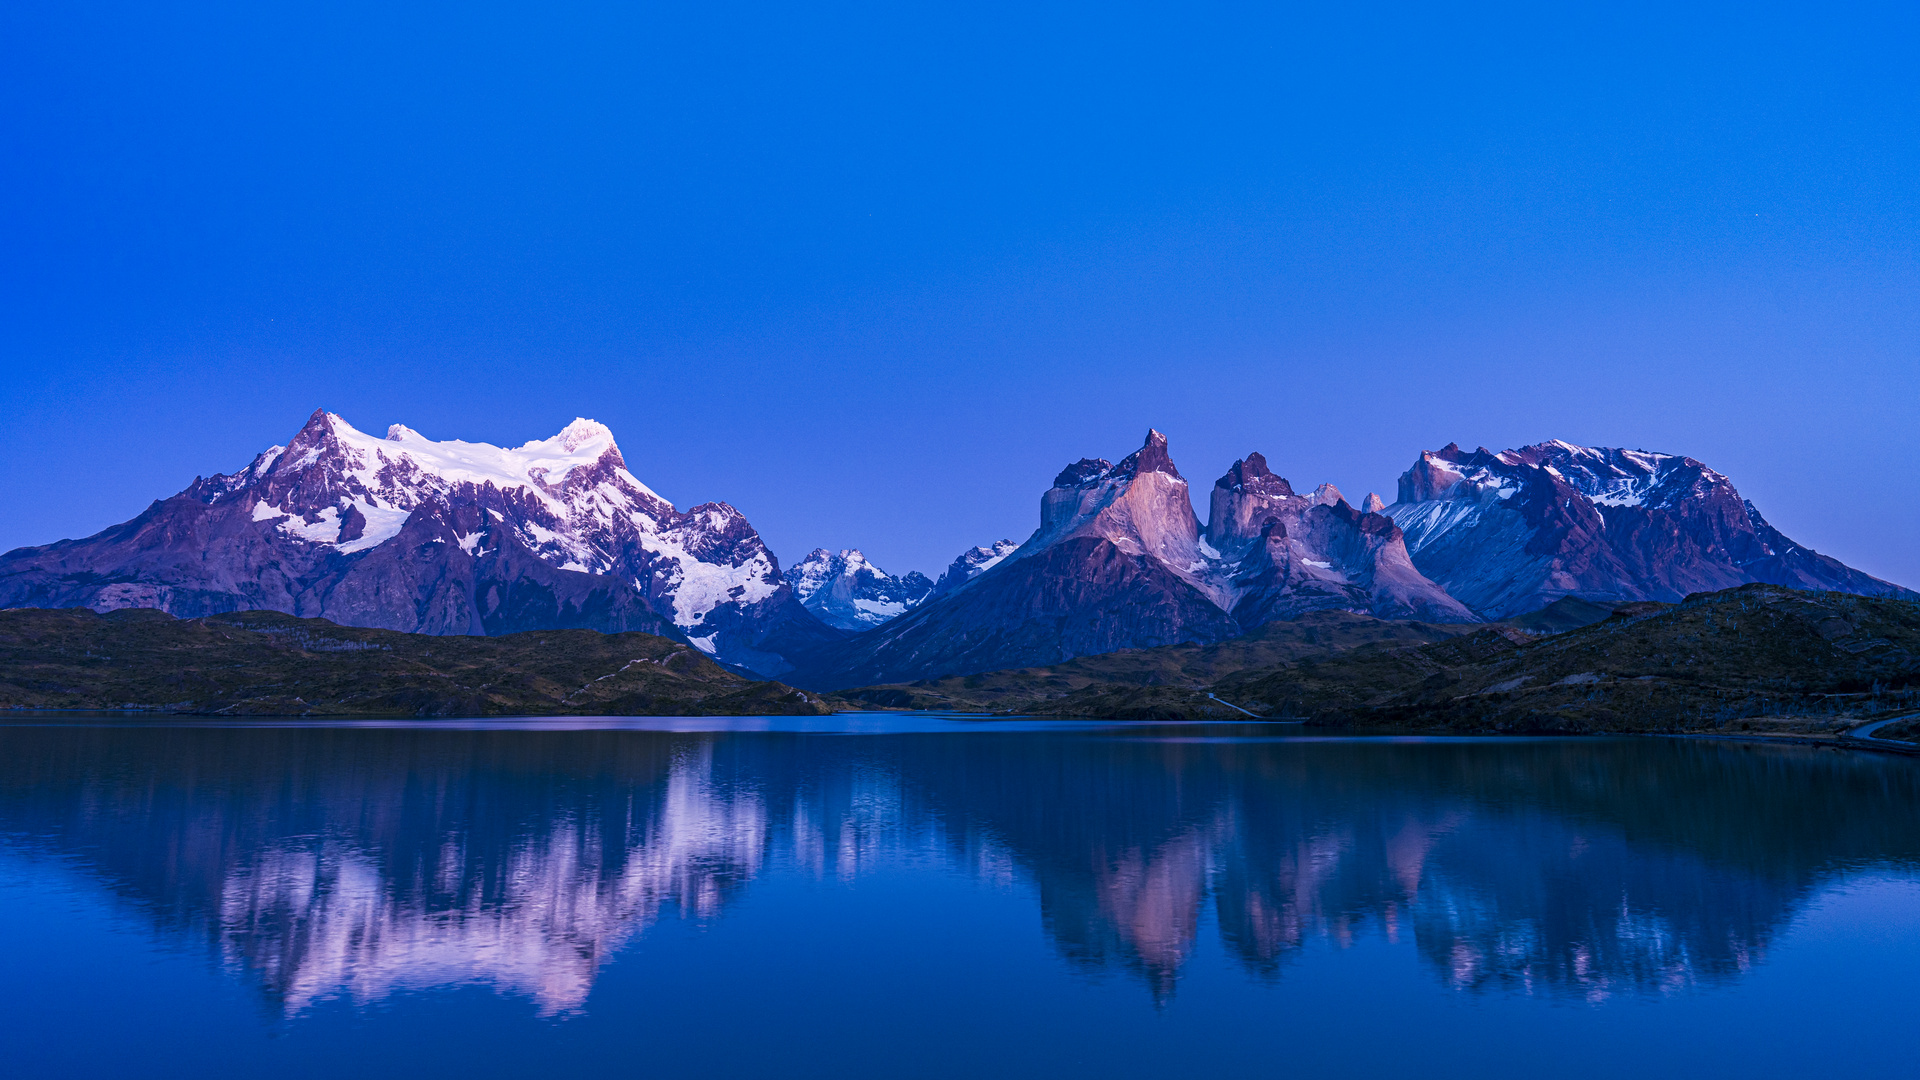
column 383, row 524
column 266, row 460
column 324, row 531
column 699, row 587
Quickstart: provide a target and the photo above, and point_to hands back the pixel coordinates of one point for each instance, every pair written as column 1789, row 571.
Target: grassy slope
column 1756, row 658
column 266, row 663
column 1137, row 671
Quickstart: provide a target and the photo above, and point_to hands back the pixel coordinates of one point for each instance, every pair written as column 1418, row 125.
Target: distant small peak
column 401, row 433
column 1372, row 504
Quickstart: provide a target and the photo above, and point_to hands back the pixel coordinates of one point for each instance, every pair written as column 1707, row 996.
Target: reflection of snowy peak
column 1507, row 533
column 847, row 591
column 411, row 534
column 543, row 929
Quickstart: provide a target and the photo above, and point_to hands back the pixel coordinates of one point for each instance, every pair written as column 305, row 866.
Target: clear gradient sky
column 874, row 273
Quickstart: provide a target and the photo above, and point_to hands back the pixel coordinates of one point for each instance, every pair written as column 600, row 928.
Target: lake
column 885, row 896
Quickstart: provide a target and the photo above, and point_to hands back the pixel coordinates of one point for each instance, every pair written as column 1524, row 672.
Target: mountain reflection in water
column 327, row 862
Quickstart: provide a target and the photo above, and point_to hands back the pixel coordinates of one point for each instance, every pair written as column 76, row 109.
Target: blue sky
column 874, row 273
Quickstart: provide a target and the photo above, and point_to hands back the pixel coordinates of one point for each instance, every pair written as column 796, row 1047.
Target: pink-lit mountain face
column 1508, row 533
column 1120, row 562
column 406, row 533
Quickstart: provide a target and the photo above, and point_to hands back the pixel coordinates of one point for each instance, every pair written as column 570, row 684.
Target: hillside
column 262, row 663
column 1137, row 670
column 1753, row 658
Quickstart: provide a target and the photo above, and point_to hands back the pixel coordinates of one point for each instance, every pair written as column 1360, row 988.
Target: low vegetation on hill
column 263, row 663
column 1759, row 658
column 1181, row 667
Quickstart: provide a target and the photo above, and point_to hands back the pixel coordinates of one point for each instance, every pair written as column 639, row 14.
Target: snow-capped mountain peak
column 1511, row 531
column 335, row 496
column 584, row 436
column 845, row 590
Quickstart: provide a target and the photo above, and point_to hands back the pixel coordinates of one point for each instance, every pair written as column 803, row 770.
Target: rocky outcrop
column 404, row 533
column 1115, row 564
column 1281, row 554
column 1508, row 533
column 1120, row 562
column 844, row 590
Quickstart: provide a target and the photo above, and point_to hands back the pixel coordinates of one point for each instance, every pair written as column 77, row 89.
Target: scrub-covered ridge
column 264, row 663
column 1759, row 658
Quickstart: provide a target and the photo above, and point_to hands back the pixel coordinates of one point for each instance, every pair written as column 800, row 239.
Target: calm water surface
column 915, row 896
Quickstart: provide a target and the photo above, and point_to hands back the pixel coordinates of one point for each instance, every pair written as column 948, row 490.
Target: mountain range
column 405, row 533
column 1120, row 562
